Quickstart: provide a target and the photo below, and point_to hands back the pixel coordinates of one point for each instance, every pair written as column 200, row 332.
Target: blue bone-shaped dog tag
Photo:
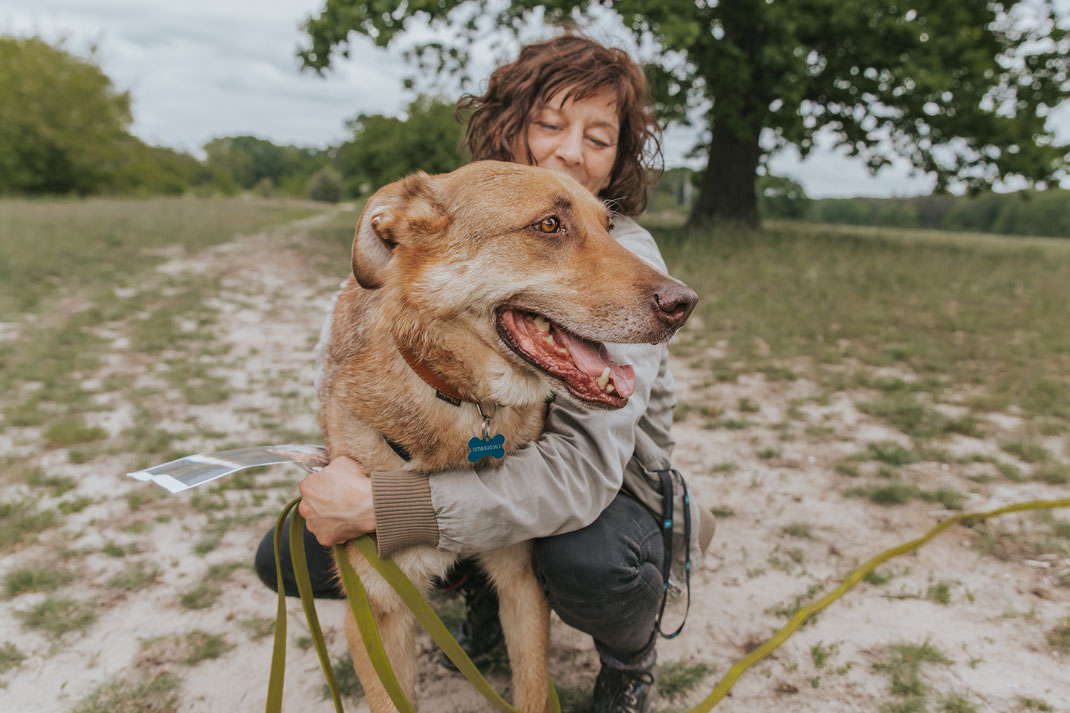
column 486, row 447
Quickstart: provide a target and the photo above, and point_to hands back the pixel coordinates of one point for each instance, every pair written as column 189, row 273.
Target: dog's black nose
column 674, row 303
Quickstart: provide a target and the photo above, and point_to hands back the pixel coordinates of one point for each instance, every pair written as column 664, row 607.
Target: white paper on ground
column 194, row 470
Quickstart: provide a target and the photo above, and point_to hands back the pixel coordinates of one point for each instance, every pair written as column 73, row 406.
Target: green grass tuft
column 21, row 520
column 201, row 596
column 156, row 695
column 820, row 654
column 1027, row 450
column 678, row 678
column 1059, row 637
column 956, row 703
column 802, row 530
column 58, row 484
column 35, row 578
column 346, row 677
column 892, row 454
column 939, row 592
column 135, row 577
column 72, row 431
column 890, row 494
column 1035, row 704
column 903, row 663
column 201, row 646
column 258, row 627
column 56, row 616
column 10, row 657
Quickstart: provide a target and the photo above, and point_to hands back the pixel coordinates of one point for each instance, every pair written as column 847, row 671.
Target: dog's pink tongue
column 592, row 359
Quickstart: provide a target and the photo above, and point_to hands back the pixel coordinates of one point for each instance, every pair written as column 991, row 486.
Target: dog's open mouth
column 585, row 366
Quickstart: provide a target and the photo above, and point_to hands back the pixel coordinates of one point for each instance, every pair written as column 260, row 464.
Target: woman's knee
column 619, row 552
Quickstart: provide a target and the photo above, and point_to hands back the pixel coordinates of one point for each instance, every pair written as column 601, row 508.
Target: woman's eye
column 597, row 142
column 548, row 126
column 548, row 225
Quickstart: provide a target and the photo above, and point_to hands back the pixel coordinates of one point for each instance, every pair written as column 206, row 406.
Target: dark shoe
column 480, row 634
column 618, row 690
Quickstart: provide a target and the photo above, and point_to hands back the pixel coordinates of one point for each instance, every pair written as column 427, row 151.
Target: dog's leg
column 525, row 617
column 397, row 625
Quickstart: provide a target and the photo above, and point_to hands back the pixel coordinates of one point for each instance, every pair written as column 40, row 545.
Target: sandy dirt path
column 786, row 533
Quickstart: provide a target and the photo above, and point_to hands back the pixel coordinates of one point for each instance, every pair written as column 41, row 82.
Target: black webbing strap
column 666, row 537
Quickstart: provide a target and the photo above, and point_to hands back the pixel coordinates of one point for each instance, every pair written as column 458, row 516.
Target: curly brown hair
column 582, row 68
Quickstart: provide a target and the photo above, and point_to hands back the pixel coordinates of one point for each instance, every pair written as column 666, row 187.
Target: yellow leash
column 425, row 614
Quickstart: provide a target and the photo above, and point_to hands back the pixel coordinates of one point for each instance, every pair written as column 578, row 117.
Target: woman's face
column 576, row 137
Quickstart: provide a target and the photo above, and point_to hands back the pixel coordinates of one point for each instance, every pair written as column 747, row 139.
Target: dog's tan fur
column 433, row 257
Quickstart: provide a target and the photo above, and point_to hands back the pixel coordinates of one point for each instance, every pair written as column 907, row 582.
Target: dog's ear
column 395, row 215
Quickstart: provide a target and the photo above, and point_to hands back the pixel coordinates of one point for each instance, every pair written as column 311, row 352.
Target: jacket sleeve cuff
column 404, row 514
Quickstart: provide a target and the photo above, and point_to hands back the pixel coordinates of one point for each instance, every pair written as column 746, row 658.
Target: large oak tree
column 960, row 88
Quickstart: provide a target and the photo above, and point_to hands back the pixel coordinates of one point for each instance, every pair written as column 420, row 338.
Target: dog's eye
column 548, row 225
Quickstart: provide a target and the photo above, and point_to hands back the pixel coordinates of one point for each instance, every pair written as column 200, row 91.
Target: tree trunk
column 727, row 195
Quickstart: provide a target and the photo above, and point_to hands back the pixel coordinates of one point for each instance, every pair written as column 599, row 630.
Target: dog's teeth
column 604, row 378
column 540, row 323
column 609, row 388
column 563, row 351
column 548, row 338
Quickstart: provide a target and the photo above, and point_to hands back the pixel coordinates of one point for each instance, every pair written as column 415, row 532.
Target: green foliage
column 386, row 148
column 674, row 192
column 962, row 90
column 64, row 129
column 325, row 185
column 62, row 122
column 1032, row 212
column 781, row 197
column 250, row 162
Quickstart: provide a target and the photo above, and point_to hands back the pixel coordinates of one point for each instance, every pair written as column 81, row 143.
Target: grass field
column 891, row 374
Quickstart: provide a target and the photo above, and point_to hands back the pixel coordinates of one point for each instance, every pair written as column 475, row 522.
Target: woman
column 572, row 106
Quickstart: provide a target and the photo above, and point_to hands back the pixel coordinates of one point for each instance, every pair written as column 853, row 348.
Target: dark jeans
column 605, row 579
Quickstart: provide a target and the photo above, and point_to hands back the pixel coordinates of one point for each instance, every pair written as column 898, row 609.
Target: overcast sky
column 198, row 69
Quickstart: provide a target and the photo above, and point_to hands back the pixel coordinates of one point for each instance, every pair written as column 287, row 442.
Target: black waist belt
column 666, row 537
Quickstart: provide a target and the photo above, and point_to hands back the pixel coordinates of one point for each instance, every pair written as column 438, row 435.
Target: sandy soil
column 270, row 304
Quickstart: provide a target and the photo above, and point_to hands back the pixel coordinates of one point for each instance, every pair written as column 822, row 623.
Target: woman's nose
column 570, row 148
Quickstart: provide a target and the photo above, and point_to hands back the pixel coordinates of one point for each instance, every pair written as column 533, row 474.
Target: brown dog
column 500, row 281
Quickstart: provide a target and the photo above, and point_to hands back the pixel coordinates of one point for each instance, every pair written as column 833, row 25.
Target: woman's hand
column 336, row 502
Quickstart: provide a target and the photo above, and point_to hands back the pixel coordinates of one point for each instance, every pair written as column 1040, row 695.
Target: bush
column 325, row 185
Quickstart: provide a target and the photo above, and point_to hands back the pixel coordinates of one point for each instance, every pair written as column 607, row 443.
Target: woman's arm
column 558, row 483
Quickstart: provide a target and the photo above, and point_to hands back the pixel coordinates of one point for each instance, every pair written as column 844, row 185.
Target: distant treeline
column 1027, row 212
column 64, row 130
column 1019, row 213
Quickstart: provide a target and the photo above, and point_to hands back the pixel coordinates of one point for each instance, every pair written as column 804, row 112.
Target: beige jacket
column 562, row 481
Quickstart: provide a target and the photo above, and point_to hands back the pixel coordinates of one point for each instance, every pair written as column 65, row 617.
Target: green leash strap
column 304, row 588
column 299, row 562
column 424, row 614
column 278, row 653
column 737, row 669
